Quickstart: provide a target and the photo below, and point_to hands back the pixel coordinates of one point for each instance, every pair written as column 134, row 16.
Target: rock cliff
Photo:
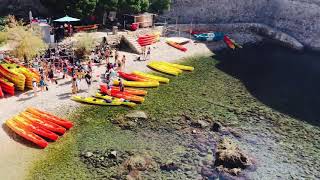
column 297, row 18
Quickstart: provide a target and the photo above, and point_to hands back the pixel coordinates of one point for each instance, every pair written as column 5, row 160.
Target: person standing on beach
column 143, row 51
column 119, row 64
column 42, row 83
column 148, row 55
column 88, row 78
column 65, row 70
column 51, row 75
column 34, row 86
column 121, row 85
column 116, row 56
column 107, row 54
column 78, row 79
column 74, row 85
column 123, row 62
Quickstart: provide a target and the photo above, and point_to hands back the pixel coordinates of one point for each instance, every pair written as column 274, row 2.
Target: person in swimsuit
column 123, row 62
column 34, row 86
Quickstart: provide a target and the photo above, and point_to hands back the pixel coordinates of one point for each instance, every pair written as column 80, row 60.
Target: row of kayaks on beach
column 38, row 126
column 130, row 96
column 178, row 42
column 16, row 77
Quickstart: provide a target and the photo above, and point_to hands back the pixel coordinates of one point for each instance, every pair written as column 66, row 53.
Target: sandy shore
column 16, row 156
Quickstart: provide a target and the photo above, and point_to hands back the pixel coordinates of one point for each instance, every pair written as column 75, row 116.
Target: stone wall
column 297, row 18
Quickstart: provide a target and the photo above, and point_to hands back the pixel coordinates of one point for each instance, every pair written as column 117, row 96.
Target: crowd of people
column 59, row 64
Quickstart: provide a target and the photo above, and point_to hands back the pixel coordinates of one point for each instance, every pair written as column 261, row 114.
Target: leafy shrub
column 84, row 45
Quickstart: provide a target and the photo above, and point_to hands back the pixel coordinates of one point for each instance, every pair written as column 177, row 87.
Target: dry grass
column 84, row 45
column 27, row 42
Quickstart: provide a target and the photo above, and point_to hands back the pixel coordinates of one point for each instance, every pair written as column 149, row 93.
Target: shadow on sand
column 284, row 80
column 69, row 94
column 18, row 138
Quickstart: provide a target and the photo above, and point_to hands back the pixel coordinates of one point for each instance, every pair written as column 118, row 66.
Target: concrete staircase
column 131, row 40
column 113, row 40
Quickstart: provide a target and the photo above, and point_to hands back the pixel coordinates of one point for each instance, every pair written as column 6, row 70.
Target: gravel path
column 16, row 156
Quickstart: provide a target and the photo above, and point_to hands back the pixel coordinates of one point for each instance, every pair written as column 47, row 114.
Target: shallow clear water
column 286, row 144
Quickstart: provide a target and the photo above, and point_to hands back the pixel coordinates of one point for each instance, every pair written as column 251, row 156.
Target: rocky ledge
column 253, row 29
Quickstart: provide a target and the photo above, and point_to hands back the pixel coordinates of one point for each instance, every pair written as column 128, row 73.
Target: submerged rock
column 88, row 154
column 137, row 115
column 138, row 162
column 113, row 155
column 230, row 159
column 169, row 167
column 216, row 127
column 200, row 124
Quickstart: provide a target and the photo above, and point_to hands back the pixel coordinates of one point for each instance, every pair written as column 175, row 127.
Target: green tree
column 109, row 5
column 82, row 8
column 77, row 8
column 158, row 6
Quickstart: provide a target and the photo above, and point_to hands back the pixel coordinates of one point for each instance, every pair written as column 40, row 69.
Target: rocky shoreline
column 251, row 33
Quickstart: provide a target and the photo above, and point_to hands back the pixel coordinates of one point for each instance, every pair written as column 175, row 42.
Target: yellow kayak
column 165, row 69
column 106, row 97
column 151, row 76
column 141, row 84
column 95, row 101
column 179, row 66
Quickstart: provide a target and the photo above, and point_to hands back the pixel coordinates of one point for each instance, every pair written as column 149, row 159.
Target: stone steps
column 131, row 40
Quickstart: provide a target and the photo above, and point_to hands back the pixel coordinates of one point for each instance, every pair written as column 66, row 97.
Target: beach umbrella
column 67, row 19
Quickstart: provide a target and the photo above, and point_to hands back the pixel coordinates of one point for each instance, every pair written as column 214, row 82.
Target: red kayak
column 6, row 86
column 132, row 77
column 177, row 46
column 123, row 95
column 43, row 123
column 133, row 91
column 21, row 131
column 228, row 41
column 1, row 93
column 36, row 129
column 49, row 117
column 147, row 39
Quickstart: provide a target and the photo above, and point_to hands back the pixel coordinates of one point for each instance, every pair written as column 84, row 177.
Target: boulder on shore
column 137, row 115
column 230, row 158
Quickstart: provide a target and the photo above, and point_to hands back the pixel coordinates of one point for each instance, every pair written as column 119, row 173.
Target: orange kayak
column 49, row 117
column 132, row 91
column 35, row 129
column 21, row 131
column 43, row 123
column 132, row 77
column 177, row 46
column 6, row 86
column 123, row 95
